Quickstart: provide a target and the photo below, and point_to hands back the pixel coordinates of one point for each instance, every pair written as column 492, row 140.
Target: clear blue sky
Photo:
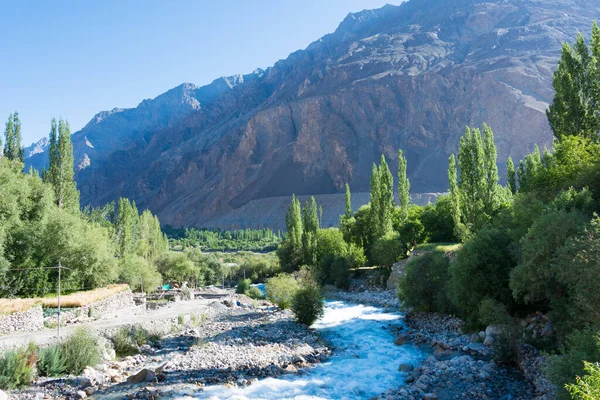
column 72, row 59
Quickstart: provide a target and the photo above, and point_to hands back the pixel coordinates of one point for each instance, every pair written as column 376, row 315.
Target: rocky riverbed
column 237, row 341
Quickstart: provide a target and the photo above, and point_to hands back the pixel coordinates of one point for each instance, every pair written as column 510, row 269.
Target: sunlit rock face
column 409, row 76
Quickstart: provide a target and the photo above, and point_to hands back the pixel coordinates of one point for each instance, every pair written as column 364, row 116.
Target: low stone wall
column 100, row 309
column 30, row 320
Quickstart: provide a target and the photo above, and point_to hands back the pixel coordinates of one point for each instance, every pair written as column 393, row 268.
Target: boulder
column 291, row 369
column 145, row 375
column 430, row 396
column 3, row 395
column 406, row 367
column 400, row 340
column 489, row 340
column 82, row 382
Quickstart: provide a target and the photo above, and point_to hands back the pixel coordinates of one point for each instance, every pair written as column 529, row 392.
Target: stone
column 89, row 390
column 475, row 338
column 81, row 395
column 291, row 369
column 548, row 330
column 400, row 340
column 3, row 395
column 473, row 347
column 82, row 382
column 406, row 367
column 482, row 335
column 489, row 340
column 430, row 396
column 145, row 375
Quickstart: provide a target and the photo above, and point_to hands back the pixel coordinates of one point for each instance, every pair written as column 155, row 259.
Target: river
column 364, row 362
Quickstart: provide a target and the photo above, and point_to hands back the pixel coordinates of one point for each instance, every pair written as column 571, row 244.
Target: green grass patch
column 444, row 247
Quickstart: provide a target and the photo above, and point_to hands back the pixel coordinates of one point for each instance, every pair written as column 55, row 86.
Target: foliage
column 243, row 286
column 50, row 361
column 310, row 223
column 126, row 341
column 254, row 293
column 403, row 186
column 80, row 350
column 217, row 240
column 12, row 135
column 588, row 386
column 493, row 312
column 307, row 304
column 563, row 368
column 139, row 274
column 437, row 220
column 577, row 98
column 178, row 267
column 481, row 271
column 388, row 249
column 281, row 290
column 330, row 242
column 17, row 367
column 423, row 286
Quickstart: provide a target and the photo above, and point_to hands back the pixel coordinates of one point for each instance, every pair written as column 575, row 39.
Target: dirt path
column 47, row 335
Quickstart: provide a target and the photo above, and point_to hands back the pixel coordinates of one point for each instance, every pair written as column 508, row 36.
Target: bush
column 438, row 222
column 481, row 271
column 387, row 250
column 243, row 286
column 334, row 270
column 80, row 350
column 492, row 312
column 423, row 286
column 17, row 367
column 568, row 364
column 140, row 274
column 505, row 345
column 587, row 387
column 281, row 290
column 307, row 304
column 254, row 293
column 51, row 361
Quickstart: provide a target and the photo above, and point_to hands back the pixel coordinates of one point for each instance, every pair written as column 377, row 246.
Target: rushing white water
column 364, row 362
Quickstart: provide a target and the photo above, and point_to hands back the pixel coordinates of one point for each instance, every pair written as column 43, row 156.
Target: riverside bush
column 17, row 367
column 423, row 286
column 51, row 361
column 281, row 290
column 243, row 286
column 80, row 350
column 307, row 304
column 588, row 386
column 254, row 293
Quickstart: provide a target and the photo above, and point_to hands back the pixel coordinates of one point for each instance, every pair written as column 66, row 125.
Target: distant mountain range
column 409, row 76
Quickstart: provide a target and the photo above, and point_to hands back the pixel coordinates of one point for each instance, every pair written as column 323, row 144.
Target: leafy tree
column 177, row 266
column 403, row 185
column 281, row 290
column 481, row 271
column 375, row 228
column 588, row 386
column 511, row 175
column 290, row 252
column 437, row 220
column 386, row 199
column 388, row 249
column 310, row 223
column 423, row 286
column 140, row 274
column 574, row 110
column 348, row 213
column 12, row 134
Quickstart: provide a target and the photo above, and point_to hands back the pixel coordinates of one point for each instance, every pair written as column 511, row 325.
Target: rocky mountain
column 409, row 76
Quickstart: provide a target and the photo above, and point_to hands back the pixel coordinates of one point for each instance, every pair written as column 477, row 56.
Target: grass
column 444, row 247
column 73, row 300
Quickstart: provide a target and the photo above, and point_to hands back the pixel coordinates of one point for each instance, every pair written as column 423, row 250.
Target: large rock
column 3, row 395
column 145, row 375
column 409, row 76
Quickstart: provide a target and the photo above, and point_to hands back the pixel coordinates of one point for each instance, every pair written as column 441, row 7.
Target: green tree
column 61, row 169
column 348, row 213
column 12, row 134
column 310, row 223
column 375, row 202
column 386, row 198
column 403, row 186
column 574, row 110
column 290, row 251
column 511, row 175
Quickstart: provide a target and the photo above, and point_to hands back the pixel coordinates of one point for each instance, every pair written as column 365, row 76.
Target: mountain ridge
column 409, row 76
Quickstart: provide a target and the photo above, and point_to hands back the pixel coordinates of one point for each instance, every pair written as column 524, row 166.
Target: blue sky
column 72, row 59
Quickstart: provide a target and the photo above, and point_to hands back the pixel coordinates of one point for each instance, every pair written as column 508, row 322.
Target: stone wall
column 100, row 309
column 30, row 320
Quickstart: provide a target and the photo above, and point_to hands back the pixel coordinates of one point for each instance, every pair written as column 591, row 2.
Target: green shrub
column 80, row 350
column 123, row 342
column 17, row 367
column 140, row 274
column 139, row 335
column 51, row 361
column 254, row 293
column 505, row 345
column 243, row 286
column 588, row 386
column 481, row 270
column 180, row 319
column 388, row 249
column 334, row 270
column 563, row 368
column 281, row 290
column 492, row 312
column 423, row 286
column 307, row 304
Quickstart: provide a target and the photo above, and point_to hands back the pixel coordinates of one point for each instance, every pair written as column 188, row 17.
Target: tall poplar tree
column 12, row 135
column 574, row 110
column 492, row 188
column 310, row 224
column 403, row 186
column 61, row 171
column 374, row 195
column 386, row 199
column 348, row 213
column 511, row 175
column 454, row 195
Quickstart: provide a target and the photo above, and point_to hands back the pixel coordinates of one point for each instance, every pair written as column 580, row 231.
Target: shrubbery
column 588, row 386
column 423, row 286
column 80, row 350
column 281, row 290
column 243, row 286
column 17, row 367
column 51, row 361
column 254, row 293
column 307, row 304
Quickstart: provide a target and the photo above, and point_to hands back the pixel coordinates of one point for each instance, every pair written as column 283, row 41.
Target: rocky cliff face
column 409, row 76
